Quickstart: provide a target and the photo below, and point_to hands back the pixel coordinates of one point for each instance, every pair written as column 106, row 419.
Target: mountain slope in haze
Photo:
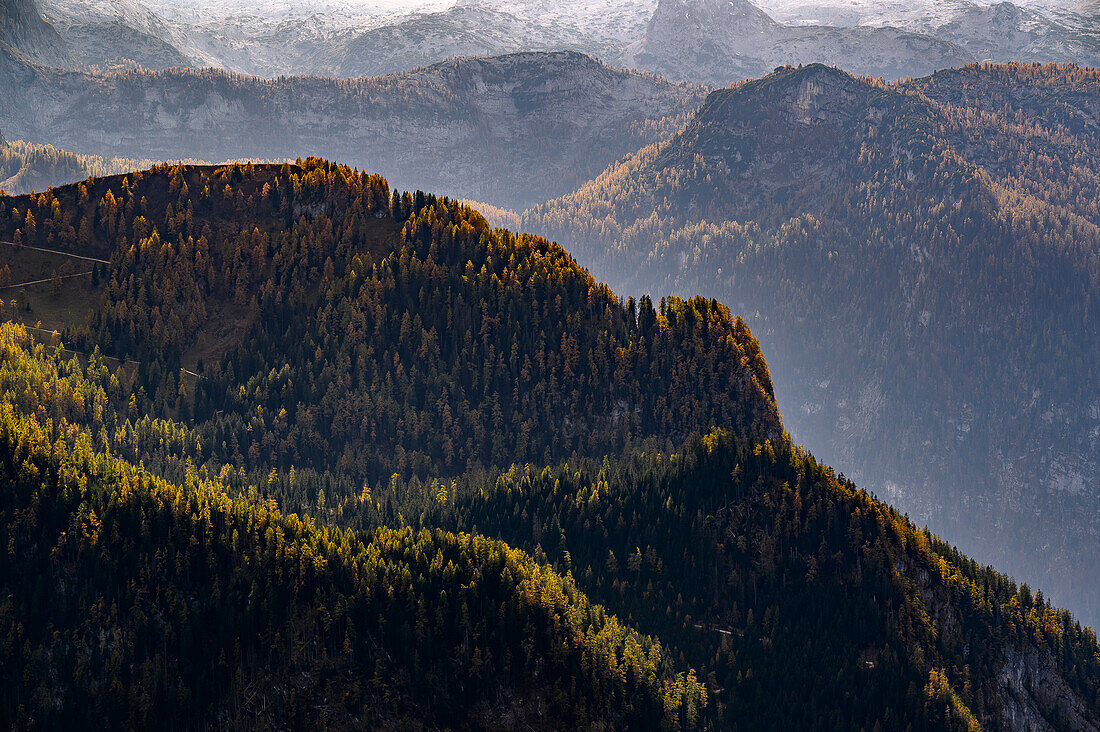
column 719, row 41
column 922, row 276
column 1003, row 31
column 22, row 29
column 423, row 39
column 800, row 601
column 331, row 39
column 106, row 32
column 708, row 41
column 513, row 130
column 25, row 168
column 29, row 168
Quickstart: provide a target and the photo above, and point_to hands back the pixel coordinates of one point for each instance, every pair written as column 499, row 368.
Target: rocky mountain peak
column 710, row 17
column 787, row 132
column 812, row 95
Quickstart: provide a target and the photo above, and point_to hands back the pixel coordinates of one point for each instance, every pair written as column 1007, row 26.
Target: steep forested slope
column 129, row 601
column 746, row 559
column 921, row 262
column 514, row 130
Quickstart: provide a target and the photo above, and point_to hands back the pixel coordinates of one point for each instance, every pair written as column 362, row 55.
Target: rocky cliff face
column 1007, row 32
column 731, row 19
column 112, row 32
column 23, row 30
column 464, row 30
column 1033, row 691
column 720, row 41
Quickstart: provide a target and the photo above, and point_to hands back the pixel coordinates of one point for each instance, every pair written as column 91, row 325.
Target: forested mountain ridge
column 514, row 130
column 336, row 325
column 1002, row 117
column 920, row 262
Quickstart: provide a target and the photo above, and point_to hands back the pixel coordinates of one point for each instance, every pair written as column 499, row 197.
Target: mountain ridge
column 781, row 189
column 706, row 41
column 491, row 148
column 583, row 359
column 723, row 41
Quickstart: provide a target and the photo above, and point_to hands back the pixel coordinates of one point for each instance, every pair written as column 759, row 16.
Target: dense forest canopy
column 333, row 324
column 921, row 262
column 129, row 601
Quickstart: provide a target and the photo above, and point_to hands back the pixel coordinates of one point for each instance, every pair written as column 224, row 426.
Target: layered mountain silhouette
column 923, row 286
column 513, row 130
column 702, row 41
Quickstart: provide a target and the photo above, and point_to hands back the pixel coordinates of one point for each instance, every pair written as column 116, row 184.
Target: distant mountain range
column 333, row 40
column 514, row 130
column 702, row 41
column 721, row 41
